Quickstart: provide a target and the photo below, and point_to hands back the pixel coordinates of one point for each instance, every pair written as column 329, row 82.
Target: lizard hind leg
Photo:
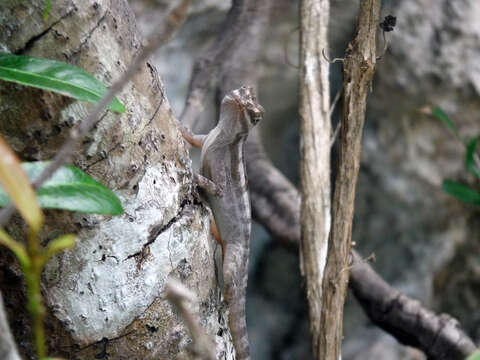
column 216, row 235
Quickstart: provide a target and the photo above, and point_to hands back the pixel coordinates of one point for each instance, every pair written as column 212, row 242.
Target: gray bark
column 106, row 296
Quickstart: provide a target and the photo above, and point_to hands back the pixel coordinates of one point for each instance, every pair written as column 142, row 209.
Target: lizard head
column 244, row 104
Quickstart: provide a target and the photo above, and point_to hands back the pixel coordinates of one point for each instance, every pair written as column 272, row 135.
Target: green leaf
column 440, row 114
column 474, row 356
column 461, row 192
column 71, row 189
column 469, row 157
column 55, row 76
column 17, row 248
column 46, row 11
column 61, row 243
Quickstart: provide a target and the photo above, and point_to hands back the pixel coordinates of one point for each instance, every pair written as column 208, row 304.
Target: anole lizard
column 223, row 178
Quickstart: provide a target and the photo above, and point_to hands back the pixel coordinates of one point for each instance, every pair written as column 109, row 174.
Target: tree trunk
column 106, row 296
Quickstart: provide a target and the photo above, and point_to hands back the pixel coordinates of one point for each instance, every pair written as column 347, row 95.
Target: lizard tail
column 238, row 328
column 235, row 293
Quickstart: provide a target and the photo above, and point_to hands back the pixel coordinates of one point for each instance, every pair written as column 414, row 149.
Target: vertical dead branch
column 315, row 137
column 180, row 296
column 359, row 67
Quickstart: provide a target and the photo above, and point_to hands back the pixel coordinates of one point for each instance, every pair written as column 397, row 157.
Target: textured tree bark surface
column 106, row 296
column 359, row 67
column 315, row 139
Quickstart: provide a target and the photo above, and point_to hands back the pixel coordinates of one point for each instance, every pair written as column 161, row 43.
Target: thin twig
column 158, row 38
column 180, row 296
column 385, row 46
column 332, row 109
column 331, row 61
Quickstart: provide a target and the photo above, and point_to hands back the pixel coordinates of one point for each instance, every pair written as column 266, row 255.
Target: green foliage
column 441, row 115
column 46, row 11
column 55, row 76
column 461, row 192
column 71, row 189
column 470, row 158
column 474, row 356
column 472, row 163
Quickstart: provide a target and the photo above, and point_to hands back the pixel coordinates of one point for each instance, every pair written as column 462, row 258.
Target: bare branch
column 158, row 38
column 227, row 59
column 359, row 67
column 439, row 336
column 315, row 139
column 180, row 296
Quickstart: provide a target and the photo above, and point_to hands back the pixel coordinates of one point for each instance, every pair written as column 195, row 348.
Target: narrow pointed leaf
column 55, row 76
column 15, row 182
column 61, row 243
column 461, row 192
column 469, row 157
column 17, row 248
column 441, row 115
column 71, row 189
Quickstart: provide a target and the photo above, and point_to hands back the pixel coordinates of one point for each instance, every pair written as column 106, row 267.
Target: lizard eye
column 256, row 114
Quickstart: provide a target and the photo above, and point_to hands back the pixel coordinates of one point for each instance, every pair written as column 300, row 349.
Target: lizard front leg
column 191, row 138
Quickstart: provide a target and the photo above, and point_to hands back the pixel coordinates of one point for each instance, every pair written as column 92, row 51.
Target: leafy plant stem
column 35, row 304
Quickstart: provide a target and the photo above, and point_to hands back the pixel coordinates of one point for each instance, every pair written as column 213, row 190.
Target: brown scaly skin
column 223, row 177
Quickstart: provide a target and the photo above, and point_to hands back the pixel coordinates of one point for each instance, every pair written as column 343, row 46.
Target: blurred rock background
column 427, row 244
